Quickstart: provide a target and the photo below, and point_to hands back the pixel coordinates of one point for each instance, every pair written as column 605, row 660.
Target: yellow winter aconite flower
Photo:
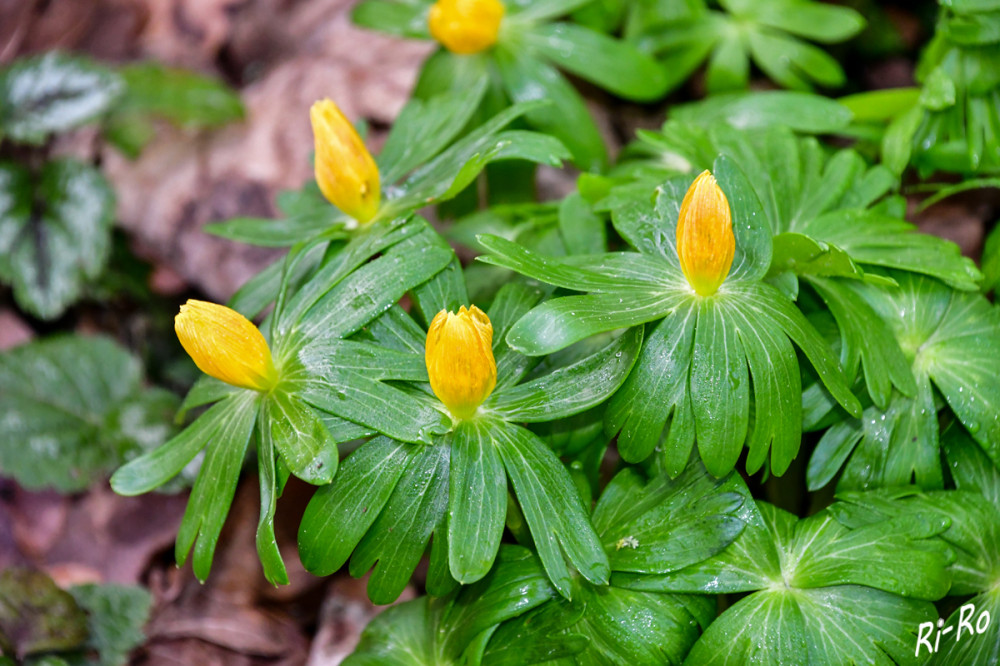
column 466, row 26
column 345, row 170
column 705, row 241
column 460, row 359
column 226, row 345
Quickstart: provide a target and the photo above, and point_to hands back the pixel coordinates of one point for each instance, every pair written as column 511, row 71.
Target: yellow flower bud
column 226, row 345
column 466, row 26
column 460, row 359
column 345, row 170
column 705, row 241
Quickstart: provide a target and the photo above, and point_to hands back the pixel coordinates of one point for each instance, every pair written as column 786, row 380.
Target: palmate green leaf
column 72, row 409
column 844, row 624
column 696, row 374
column 565, row 117
column 512, row 301
column 952, row 338
column 53, row 92
column 898, row 556
column 402, row 530
column 571, row 389
column 270, row 488
column 55, row 233
column 656, row 394
column 215, row 487
column 665, row 524
column 156, row 467
column 821, row 584
column 614, row 65
column 424, row 127
column 477, row 500
column 540, row 482
column 444, row 630
column 801, row 112
column 433, row 181
column 763, row 32
column 884, row 448
column 340, row 513
column 298, row 434
column 646, row 526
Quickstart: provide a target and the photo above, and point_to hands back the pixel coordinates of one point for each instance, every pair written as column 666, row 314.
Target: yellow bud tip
column 345, row 170
column 460, row 360
column 466, row 26
column 226, row 345
column 705, row 241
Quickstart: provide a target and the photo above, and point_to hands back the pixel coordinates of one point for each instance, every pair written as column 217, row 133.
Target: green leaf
column 846, row 624
column 300, row 438
column 897, row 143
column 558, row 323
column 812, row 20
column 614, row 65
column 267, row 543
column 400, row 534
column 719, row 389
column 116, row 615
column 340, row 514
column 401, row 635
column 581, row 229
column 655, row 393
column 565, row 117
column 435, row 180
column 53, row 92
column 801, row 112
column 72, row 409
column 55, row 233
column 424, row 127
column 572, row 389
column 215, row 487
column 159, row 466
column 793, row 63
column 952, row 337
column 770, row 303
column 878, row 105
column 369, row 291
column 665, row 524
column 403, row 18
column 541, row 482
column 185, row 98
column 477, row 502
column 866, row 340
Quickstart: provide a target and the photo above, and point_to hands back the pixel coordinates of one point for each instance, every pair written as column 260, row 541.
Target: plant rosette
column 441, row 465
column 260, row 390
column 692, row 379
column 519, row 48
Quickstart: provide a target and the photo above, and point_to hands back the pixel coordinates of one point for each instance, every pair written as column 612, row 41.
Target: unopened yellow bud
column 226, row 345
column 466, row 26
column 705, row 241
column 345, row 170
column 460, row 359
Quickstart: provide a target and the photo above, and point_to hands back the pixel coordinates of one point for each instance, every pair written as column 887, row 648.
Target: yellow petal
column 226, row 345
column 460, row 359
column 705, row 241
column 466, row 26
column 345, row 170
